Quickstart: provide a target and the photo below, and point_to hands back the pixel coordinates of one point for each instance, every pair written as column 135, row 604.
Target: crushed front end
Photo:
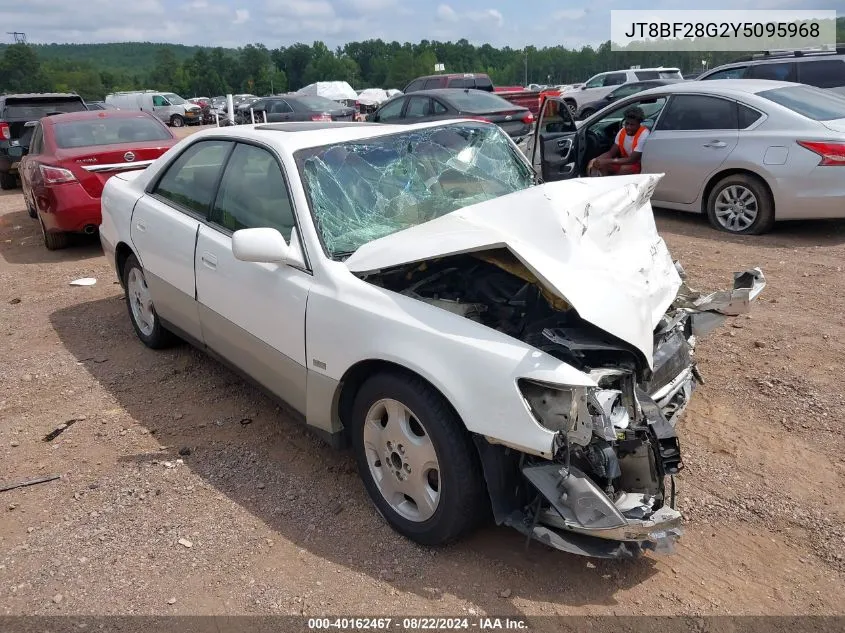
column 610, row 489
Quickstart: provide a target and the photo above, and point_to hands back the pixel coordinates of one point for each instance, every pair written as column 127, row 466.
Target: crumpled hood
column 592, row 242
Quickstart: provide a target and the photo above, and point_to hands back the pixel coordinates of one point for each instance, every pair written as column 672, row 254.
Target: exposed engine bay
column 616, row 451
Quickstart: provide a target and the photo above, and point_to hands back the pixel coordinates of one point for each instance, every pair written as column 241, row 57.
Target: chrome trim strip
column 141, row 164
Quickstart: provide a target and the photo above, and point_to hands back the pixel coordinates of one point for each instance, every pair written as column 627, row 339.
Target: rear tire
column 741, row 204
column 8, row 181
column 54, row 240
column 573, row 108
column 420, row 467
column 177, row 121
column 144, row 319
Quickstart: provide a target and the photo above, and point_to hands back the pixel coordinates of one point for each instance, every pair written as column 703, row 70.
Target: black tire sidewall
column 765, row 204
column 177, row 121
column 455, row 456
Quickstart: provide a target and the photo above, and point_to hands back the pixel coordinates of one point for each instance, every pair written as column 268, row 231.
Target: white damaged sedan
column 484, row 342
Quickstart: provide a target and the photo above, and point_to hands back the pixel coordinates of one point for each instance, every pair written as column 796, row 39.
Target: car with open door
column 745, row 153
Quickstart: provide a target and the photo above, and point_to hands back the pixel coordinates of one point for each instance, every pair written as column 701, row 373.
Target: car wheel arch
column 358, row 374
column 122, row 252
column 724, row 173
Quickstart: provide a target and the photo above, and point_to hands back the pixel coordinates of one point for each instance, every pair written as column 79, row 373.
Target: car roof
column 295, row 136
column 778, row 59
column 93, row 115
column 726, row 87
column 41, row 95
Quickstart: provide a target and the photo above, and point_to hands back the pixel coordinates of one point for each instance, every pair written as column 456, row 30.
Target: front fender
column 475, row 367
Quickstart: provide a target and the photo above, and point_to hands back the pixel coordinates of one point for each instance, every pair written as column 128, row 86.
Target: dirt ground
column 183, row 490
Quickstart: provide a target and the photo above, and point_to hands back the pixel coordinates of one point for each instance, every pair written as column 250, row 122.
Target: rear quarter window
column 813, row 103
column 823, row 73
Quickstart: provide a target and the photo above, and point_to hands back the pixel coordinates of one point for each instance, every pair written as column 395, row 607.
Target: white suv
column 599, row 85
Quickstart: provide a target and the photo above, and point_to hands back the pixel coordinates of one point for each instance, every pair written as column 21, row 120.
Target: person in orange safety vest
column 626, row 153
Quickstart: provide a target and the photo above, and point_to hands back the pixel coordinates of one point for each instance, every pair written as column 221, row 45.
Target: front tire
column 177, row 121
column 586, row 113
column 142, row 312
column 741, row 204
column 417, row 461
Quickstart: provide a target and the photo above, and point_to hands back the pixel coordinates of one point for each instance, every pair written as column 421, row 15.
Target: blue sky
column 570, row 23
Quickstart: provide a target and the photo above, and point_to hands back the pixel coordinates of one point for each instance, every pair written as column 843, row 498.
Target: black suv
column 822, row 69
column 18, row 110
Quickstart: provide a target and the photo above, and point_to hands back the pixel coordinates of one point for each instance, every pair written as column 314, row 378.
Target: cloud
column 370, row 6
column 446, row 13
column 299, row 8
column 493, row 15
column 569, row 14
column 241, row 16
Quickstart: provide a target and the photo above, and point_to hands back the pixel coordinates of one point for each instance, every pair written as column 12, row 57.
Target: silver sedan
column 744, row 152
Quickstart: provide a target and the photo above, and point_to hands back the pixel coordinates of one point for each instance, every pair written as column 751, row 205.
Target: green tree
column 20, row 70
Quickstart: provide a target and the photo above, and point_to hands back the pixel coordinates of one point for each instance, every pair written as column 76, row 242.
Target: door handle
column 140, row 226
column 209, row 260
column 715, row 144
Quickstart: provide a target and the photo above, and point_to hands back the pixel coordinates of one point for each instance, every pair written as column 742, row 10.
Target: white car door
column 164, row 230
column 692, row 138
column 253, row 314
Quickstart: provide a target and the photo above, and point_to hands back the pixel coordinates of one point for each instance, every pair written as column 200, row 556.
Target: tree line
column 93, row 70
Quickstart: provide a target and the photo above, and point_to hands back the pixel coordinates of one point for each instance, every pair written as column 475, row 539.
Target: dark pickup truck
column 18, row 110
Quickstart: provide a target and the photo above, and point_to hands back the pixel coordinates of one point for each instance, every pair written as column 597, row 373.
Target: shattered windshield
column 362, row 190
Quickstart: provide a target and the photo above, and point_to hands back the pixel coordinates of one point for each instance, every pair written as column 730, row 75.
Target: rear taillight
column 5, row 131
column 321, row 117
column 528, row 118
column 56, row 175
column 831, row 153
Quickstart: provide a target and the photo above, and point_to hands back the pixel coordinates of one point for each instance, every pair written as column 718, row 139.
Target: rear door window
column 190, row 181
column 823, row 73
column 699, row 112
column 782, row 71
column 417, row 108
column 615, row 79
column 644, row 75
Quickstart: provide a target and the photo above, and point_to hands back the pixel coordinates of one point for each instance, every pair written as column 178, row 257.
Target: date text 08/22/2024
column 418, row 623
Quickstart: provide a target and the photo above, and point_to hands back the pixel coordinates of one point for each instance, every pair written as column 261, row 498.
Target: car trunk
column 343, row 115
column 93, row 166
column 509, row 120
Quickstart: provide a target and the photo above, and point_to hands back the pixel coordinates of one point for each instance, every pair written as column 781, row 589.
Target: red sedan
column 72, row 155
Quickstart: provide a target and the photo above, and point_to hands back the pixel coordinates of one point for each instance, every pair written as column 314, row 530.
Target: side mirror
column 30, row 124
column 262, row 245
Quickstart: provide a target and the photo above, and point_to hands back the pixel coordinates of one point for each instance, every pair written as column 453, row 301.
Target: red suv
column 455, row 80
